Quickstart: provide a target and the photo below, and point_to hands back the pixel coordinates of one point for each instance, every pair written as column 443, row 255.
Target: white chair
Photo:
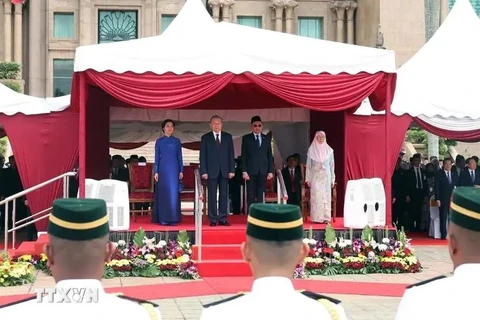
column 434, row 230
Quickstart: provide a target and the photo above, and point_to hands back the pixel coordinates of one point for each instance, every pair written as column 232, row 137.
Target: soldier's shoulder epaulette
column 317, row 297
column 216, row 303
column 421, row 283
column 18, row 302
column 139, row 301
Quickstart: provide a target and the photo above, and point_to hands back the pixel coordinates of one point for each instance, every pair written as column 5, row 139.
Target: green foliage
column 182, row 237
column 9, row 70
column 330, row 236
column 417, row 135
column 13, row 85
column 367, row 234
column 138, row 237
column 3, row 145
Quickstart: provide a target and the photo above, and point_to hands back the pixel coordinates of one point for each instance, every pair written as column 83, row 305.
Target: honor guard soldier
column 79, row 247
column 273, row 248
column 443, row 298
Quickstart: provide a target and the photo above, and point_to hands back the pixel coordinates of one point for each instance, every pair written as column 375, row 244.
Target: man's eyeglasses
column 257, row 125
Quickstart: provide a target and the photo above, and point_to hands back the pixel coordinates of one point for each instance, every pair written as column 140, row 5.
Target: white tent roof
column 438, row 84
column 13, row 102
column 194, row 43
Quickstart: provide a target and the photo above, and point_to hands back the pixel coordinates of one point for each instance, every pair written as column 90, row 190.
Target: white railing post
column 245, row 198
column 14, row 222
column 281, row 189
column 19, row 225
column 5, row 242
column 279, row 192
column 198, row 213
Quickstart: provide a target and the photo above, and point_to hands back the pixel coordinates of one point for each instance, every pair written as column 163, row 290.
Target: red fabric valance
column 127, row 145
column 464, row 136
column 322, row 92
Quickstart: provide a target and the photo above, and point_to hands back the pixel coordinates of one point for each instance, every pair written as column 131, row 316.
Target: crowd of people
column 417, row 186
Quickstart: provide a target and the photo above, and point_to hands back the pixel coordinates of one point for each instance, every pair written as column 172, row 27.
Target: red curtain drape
column 464, row 136
column 126, row 145
column 45, row 146
column 366, row 156
column 323, row 92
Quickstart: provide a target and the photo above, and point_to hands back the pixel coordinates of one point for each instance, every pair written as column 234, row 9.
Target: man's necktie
column 472, row 175
column 217, row 139
column 259, row 142
column 449, row 177
column 419, row 178
column 292, row 179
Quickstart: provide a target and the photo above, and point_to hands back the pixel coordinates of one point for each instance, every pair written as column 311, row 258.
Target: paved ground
column 435, row 260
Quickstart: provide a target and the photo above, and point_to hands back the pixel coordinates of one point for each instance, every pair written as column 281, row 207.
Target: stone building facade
column 42, row 34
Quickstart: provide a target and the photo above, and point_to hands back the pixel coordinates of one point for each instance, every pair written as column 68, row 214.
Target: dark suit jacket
column 466, row 180
column 217, row 161
column 13, row 183
column 443, row 189
column 411, row 182
column 297, row 181
column 255, row 160
column 120, row 174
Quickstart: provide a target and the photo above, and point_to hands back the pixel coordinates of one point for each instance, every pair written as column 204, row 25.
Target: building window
column 255, row 22
column 62, row 76
column 310, row 27
column 63, row 25
column 475, row 5
column 117, row 25
column 166, row 20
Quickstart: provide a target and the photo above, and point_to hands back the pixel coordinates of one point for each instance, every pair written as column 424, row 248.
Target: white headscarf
column 319, row 152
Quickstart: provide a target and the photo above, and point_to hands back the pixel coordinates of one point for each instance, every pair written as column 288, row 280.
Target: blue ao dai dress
column 168, row 165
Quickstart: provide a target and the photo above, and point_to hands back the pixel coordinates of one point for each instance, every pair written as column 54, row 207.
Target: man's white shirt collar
column 219, row 135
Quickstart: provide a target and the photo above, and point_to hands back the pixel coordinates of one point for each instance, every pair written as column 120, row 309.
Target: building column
column 443, row 10
column 278, row 6
column 7, row 29
column 226, row 9
column 289, row 15
column 37, row 60
column 17, row 41
column 352, row 6
column 339, row 7
column 215, row 5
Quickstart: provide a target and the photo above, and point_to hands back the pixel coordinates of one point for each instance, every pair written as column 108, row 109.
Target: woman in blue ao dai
column 168, row 176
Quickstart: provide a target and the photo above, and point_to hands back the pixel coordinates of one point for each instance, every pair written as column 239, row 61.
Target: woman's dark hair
column 164, row 123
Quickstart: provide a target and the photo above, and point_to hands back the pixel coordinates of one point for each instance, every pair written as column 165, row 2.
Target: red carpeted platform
column 237, row 221
column 215, row 286
column 422, row 239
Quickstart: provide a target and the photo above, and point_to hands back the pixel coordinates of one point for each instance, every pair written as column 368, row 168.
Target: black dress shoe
column 213, row 224
column 224, row 223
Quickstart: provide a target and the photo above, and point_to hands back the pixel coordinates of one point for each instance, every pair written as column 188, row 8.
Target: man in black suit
column 292, row 177
column 446, row 180
column 217, row 165
column 257, row 161
column 459, row 164
column 470, row 176
column 416, row 191
column 398, row 195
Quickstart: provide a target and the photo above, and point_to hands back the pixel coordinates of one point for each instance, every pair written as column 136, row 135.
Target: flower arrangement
column 333, row 255
column 14, row 273
column 142, row 257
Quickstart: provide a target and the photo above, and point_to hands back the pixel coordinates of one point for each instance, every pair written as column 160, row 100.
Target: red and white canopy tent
column 200, row 65
column 438, row 86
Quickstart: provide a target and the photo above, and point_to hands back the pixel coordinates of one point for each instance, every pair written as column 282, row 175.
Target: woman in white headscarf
column 320, row 177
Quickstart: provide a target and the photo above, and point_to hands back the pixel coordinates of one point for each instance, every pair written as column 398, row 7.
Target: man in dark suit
column 459, row 164
column 416, row 191
column 446, row 180
column 292, row 177
column 470, row 176
column 257, row 161
column 217, row 165
column 398, row 195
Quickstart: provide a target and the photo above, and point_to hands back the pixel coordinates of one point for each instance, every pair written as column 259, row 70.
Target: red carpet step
column 223, row 236
column 223, row 268
column 218, row 251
